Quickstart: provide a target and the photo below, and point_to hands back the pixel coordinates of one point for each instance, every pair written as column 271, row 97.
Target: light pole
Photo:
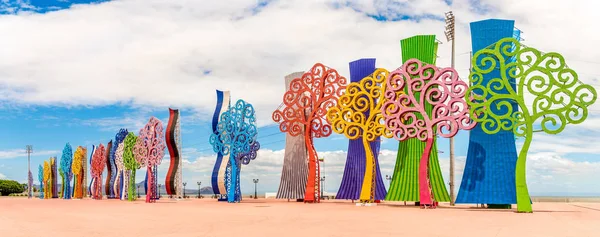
column 450, row 37
column 199, row 183
column 322, row 182
column 388, row 178
column 29, row 150
column 255, row 184
column 184, row 184
column 159, row 186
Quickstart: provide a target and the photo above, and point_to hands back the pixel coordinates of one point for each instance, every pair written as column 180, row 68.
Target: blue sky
column 112, row 65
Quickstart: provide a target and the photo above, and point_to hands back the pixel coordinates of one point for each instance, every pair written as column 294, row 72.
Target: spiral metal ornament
column 408, row 90
column 41, row 179
column 98, row 164
column 131, row 165
column 77, row 167
column 149, row 149
column 305, row 106
column 236, row 136
column 559, row 98
column 65, row 171
column 358, row 115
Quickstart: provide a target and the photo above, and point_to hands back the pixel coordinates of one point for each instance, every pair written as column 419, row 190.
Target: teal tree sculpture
column 558, row 98
column 236, row 137
column 41, row 179
column 65, row 171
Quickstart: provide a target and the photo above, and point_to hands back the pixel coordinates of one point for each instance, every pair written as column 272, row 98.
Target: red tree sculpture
column 149, row 150
column 98, row 164
column 409, row 89
column 306, row 104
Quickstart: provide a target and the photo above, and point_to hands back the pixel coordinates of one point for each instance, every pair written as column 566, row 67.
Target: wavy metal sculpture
column 92, row 181
column 559, row 98
column 306, row 103
column 41, row 179
column 409, row 89
column 109, row 170
column 149, row 150
column 236, row 137
column 222, row 163
column 357, row 115
column 66, row 161
column 120, row 183
column 47, row 180
column 54, row 178
column 77, row 167
column 173, row 180
column 98, row 164
column 112, row 191
column 131, row 165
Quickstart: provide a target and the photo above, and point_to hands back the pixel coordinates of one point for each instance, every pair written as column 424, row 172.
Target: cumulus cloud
column 18, row 153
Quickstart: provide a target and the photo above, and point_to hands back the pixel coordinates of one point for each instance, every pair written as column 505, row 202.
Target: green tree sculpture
column 545, row 93
column 131, row 165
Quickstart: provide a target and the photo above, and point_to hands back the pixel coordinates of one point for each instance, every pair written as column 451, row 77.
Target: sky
column 78, row 71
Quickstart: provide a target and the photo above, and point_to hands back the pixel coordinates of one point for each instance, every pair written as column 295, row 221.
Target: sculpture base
column 366, row 204
column 299, row 200
column 499, row 206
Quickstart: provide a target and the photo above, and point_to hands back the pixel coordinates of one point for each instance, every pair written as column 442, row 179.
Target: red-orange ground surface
column 262, row 217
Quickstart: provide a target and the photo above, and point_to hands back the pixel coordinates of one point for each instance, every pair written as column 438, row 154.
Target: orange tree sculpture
column 408, row 89
column 306, row 104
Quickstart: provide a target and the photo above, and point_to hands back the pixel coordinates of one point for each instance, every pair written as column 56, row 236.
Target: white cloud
column 17, row 153
column 2, row 176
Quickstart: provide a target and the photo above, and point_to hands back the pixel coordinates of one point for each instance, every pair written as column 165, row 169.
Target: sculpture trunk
column 231, row 197
column 424, row 188
column 312, row 183
column 150, row 183
column 367, row 193
column 132, row 194
column 523, row 199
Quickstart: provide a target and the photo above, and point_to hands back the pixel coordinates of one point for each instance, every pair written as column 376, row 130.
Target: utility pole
column 450, row 37
column 29, row 150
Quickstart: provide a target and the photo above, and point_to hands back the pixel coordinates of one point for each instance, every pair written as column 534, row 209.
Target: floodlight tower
column 449, row 32
column 29, row 150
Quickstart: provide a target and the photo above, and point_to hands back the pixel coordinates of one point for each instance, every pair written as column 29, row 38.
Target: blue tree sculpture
column 236, row 137
column 41, row 179
column 65, row 164
column 113, row 166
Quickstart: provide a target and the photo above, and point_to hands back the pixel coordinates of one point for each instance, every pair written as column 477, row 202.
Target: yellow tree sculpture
column 358, row 114
column 47, row 180
column 77, row 166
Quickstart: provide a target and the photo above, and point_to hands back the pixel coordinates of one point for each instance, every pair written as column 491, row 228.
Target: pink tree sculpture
column 408, row 91
column 98, row 164
column 149, row 150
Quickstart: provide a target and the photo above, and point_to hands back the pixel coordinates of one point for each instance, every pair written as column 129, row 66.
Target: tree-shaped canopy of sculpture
column 236, row 136
column 41, row 179
column 115, row 172
column 358, row 115
column 47, row 180
column 306, row 104
column 98, row 164
column 131, row 165
column 559, row 98
column 65, row 171
column 78, row 172
column 408, row 89
column 149, row 150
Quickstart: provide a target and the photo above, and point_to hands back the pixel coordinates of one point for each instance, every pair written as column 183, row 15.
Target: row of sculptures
column 414, row 104
column 418, row 102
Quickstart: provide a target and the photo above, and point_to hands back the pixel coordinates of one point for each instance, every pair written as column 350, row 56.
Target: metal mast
column 450, row 37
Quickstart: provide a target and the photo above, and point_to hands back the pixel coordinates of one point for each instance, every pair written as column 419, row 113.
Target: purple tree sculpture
column 149, row 150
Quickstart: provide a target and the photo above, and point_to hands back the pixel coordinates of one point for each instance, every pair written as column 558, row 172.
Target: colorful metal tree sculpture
column 114, row 186
column 236, row 137
column 78, row 172
column 131, row 165
column 408, row 90
column 295, row 160
column 41, row 179
column 559, row 98
column 358, row 115
column 98, row 164
column 92, row 181
column 219, row 174
column 109, row 170
column 65, row 171
column 306, row 104
column 149, row 150
column 120, row 183
column 47, row 180
column 173, row 180
column 62, row 177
